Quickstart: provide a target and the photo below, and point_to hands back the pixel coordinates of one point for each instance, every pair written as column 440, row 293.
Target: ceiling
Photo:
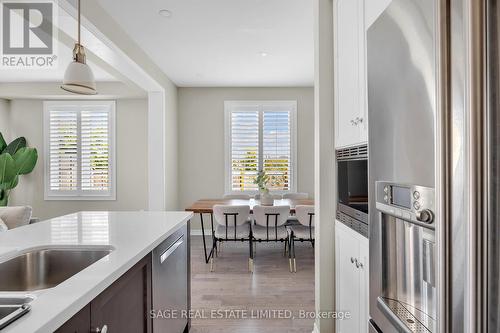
column 224, row 42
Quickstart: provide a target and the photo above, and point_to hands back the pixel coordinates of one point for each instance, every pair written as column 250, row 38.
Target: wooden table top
column 206, row 205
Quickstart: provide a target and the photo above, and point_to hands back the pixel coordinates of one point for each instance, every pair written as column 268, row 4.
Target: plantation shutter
column 277, row 148
column 260, row 136
column 79, row 141
column 244, row 149
column 63, row 155
column 95, row 157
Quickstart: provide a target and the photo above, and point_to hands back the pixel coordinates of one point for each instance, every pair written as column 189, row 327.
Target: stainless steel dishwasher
column 171, row 282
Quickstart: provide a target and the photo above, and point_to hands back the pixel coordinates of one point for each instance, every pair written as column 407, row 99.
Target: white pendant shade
column 79, row 79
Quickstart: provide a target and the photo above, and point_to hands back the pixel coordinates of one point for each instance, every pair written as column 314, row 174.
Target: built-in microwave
column 352, row 185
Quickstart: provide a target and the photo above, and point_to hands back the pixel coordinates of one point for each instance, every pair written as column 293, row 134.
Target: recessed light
column 165, row 13
column 263, row 54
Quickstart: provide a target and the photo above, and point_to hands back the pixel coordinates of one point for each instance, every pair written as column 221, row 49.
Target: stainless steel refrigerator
column 434, row 129
column 402, row 112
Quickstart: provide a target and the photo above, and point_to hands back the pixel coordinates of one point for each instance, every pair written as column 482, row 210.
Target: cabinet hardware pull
column 352, row 260
column 104, row 329
column 359, row 264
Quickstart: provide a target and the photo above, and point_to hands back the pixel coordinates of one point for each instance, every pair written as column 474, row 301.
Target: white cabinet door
column 347, row 281
column 350, row 83
column 364, row 293
column 352, row 279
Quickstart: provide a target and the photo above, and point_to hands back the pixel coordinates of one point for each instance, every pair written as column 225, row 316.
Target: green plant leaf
column 3, row 144
column 12, row 184
column 7, row 170
column 4, row 198
column 25, row 160
column 15, row 145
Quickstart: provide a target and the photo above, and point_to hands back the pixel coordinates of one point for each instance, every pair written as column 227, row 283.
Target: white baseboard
column 315, row 328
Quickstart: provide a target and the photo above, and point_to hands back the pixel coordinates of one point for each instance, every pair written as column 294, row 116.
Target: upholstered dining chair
column 302, row 232
column 292, row 219
column 232, row 225
column 269, row 224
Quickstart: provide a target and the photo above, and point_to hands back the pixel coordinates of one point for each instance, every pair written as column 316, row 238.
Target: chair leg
column 294, row 261
column 250, row 259
column 290, row 253
column 214, row 251
column 286, row 245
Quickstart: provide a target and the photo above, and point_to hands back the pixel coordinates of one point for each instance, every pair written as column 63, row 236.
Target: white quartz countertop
column 132, row 235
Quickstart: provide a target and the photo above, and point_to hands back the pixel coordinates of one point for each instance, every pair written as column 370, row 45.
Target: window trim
column 228, row 108
column 79, row 195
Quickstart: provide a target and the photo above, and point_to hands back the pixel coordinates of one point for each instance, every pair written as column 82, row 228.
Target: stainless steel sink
column 45, row 268
column 11, row 308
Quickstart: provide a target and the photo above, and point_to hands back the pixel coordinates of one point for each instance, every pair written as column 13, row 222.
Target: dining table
column 205, row 206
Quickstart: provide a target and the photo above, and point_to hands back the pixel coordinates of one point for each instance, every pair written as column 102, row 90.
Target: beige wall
column 26, row 119
column 201, row 138
column 4, row 118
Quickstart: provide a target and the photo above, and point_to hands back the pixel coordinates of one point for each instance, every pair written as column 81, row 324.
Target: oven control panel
column 412, row 203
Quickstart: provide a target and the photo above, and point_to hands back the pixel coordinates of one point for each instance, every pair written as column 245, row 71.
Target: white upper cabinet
column 350, row 73
column 373, row 9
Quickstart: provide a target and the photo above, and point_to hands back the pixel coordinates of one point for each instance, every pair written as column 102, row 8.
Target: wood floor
column 235, row 292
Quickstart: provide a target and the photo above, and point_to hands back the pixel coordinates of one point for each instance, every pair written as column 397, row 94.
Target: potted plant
column 15, row 159
column 262, row 180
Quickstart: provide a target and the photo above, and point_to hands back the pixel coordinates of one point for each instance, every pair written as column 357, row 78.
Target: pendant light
column 78, row 77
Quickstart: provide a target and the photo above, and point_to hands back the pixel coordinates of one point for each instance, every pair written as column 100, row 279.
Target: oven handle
column 400, row 326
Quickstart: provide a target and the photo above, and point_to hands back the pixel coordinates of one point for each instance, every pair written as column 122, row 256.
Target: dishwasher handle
column 171, row 249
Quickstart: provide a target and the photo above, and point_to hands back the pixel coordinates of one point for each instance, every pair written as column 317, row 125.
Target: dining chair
column 302, row 232
column 296, row 196
column 269, row 224
column 232, row 225
column 292, row 219
column 237, row 196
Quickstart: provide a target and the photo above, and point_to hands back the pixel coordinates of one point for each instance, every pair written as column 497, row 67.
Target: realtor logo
column 28, row 34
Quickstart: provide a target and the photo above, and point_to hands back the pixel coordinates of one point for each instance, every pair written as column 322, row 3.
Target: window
column 79, row 150
column 260, row 136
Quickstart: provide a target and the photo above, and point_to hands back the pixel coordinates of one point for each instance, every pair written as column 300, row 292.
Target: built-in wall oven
column 352, row 184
